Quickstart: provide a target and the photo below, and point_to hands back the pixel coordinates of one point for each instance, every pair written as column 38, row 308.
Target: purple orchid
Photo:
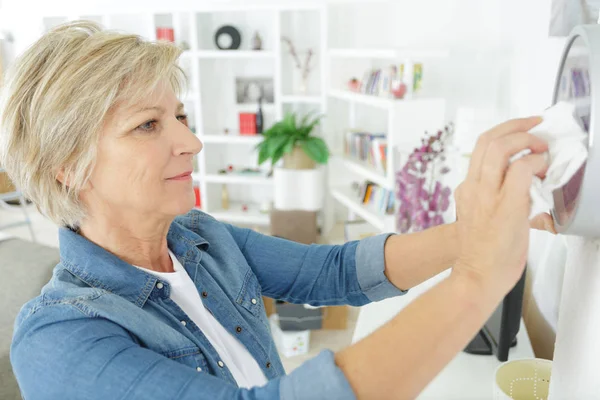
column 422, row 198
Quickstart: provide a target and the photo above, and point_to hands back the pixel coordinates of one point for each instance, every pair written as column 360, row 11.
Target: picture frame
column 250, row 89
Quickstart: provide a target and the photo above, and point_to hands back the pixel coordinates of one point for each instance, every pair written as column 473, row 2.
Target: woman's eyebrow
column 158, row 108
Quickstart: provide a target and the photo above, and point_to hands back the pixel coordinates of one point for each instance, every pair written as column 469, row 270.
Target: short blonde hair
column 54, row 104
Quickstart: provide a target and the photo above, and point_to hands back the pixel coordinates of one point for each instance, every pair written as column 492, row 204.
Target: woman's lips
column 182, row 177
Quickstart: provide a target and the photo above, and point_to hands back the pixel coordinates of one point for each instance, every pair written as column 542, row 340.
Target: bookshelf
column 404, row 123
column 344, row 195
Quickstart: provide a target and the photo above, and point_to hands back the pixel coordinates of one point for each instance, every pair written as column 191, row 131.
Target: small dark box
column 295, row 317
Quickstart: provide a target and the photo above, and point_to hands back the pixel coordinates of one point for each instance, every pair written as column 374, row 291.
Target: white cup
column 526, row 379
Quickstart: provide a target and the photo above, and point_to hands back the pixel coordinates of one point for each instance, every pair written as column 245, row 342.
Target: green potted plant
column 293, row 142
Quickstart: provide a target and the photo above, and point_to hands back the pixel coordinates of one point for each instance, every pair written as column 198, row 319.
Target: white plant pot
column 299, row 189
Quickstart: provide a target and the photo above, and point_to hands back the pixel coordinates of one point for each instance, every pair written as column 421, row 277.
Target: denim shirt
column 103, row 329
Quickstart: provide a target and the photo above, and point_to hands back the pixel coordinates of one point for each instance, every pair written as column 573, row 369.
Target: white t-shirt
column 233, row 353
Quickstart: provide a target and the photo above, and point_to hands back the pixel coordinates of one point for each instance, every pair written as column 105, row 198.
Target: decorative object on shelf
column 224, row 198
column 247, row 123
column 422, row 197
column 256, row 41
column 293, row 142
column 354, row 85
column 198, row 197
column 259, row 117
column 226, row 131
column 250, row 89
column 398, row 86
column 244, row 207
column 165, row 33
column 231, row 170
column 228, row 37
column 303, row 68
column 417, row 77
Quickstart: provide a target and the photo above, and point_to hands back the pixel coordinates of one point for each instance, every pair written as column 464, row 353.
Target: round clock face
column 574, row 87
column 228, row 37
column 224, row 41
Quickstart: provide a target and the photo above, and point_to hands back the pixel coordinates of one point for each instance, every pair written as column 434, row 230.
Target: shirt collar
column 101, row 269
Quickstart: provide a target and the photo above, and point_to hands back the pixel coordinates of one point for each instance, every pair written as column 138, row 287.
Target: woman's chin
column 183, row 206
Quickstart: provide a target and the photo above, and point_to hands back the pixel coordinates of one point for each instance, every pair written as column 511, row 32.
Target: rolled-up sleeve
column 319, row 275
column 370, row 267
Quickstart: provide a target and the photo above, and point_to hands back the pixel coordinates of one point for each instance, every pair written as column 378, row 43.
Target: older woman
column 152, row 300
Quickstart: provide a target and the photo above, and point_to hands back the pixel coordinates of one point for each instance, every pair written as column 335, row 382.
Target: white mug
column 525, row 379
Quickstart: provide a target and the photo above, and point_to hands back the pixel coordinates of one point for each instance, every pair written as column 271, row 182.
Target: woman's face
column 145, row 160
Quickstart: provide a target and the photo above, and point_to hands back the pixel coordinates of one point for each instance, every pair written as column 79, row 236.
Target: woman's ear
column 60, row 176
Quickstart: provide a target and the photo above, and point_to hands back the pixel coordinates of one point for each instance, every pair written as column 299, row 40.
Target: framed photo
column 250, row 89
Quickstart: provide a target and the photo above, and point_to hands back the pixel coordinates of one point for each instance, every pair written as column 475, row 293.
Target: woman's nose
column 187, row 141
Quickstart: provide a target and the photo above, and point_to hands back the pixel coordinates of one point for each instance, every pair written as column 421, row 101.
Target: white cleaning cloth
column 566, row 153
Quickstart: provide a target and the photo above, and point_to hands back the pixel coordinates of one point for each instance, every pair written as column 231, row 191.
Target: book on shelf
column 247, row 123
column 380, row 82
column 378, row 199
column 369, row 148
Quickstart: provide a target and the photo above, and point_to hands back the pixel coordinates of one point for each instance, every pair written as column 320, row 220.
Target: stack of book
column 370, row 148
column 378, row 199
column 377, row 82
column 381, row 81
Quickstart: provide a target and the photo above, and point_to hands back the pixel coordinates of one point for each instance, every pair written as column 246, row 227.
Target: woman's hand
column 543, row 222
column 493, row 206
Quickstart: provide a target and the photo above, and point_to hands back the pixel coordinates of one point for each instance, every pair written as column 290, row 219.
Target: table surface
column 467, row 376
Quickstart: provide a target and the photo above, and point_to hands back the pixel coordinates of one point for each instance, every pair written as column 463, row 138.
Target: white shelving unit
column 235, row 179
column 232, row 139
column 212, row 73
column 233, row 54
column 406, row 121
column 365, row 171
column 210, row 98
column 272, row 61
column 385, row 223
column 235, row 215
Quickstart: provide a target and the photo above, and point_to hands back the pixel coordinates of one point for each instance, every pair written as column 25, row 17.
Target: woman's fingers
column 501, row 150
column 517, row 183
column 506, row 128
column 543, row 222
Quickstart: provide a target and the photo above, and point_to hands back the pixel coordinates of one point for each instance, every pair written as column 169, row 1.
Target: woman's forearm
column 398, row 360
column 413, row 258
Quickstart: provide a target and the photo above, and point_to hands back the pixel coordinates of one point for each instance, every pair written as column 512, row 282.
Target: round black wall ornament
column 228, row 38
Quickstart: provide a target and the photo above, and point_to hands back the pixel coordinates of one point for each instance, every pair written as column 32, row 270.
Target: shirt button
column 198, row 369
column 268, row 365
column 159, row 285
column 238, row 329
column 221, row 364
column 253, row 301
column 183, row 323
column 204, row 294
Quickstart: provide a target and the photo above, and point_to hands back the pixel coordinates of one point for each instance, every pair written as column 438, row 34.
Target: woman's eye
column 183, row 118
column 148, row 126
